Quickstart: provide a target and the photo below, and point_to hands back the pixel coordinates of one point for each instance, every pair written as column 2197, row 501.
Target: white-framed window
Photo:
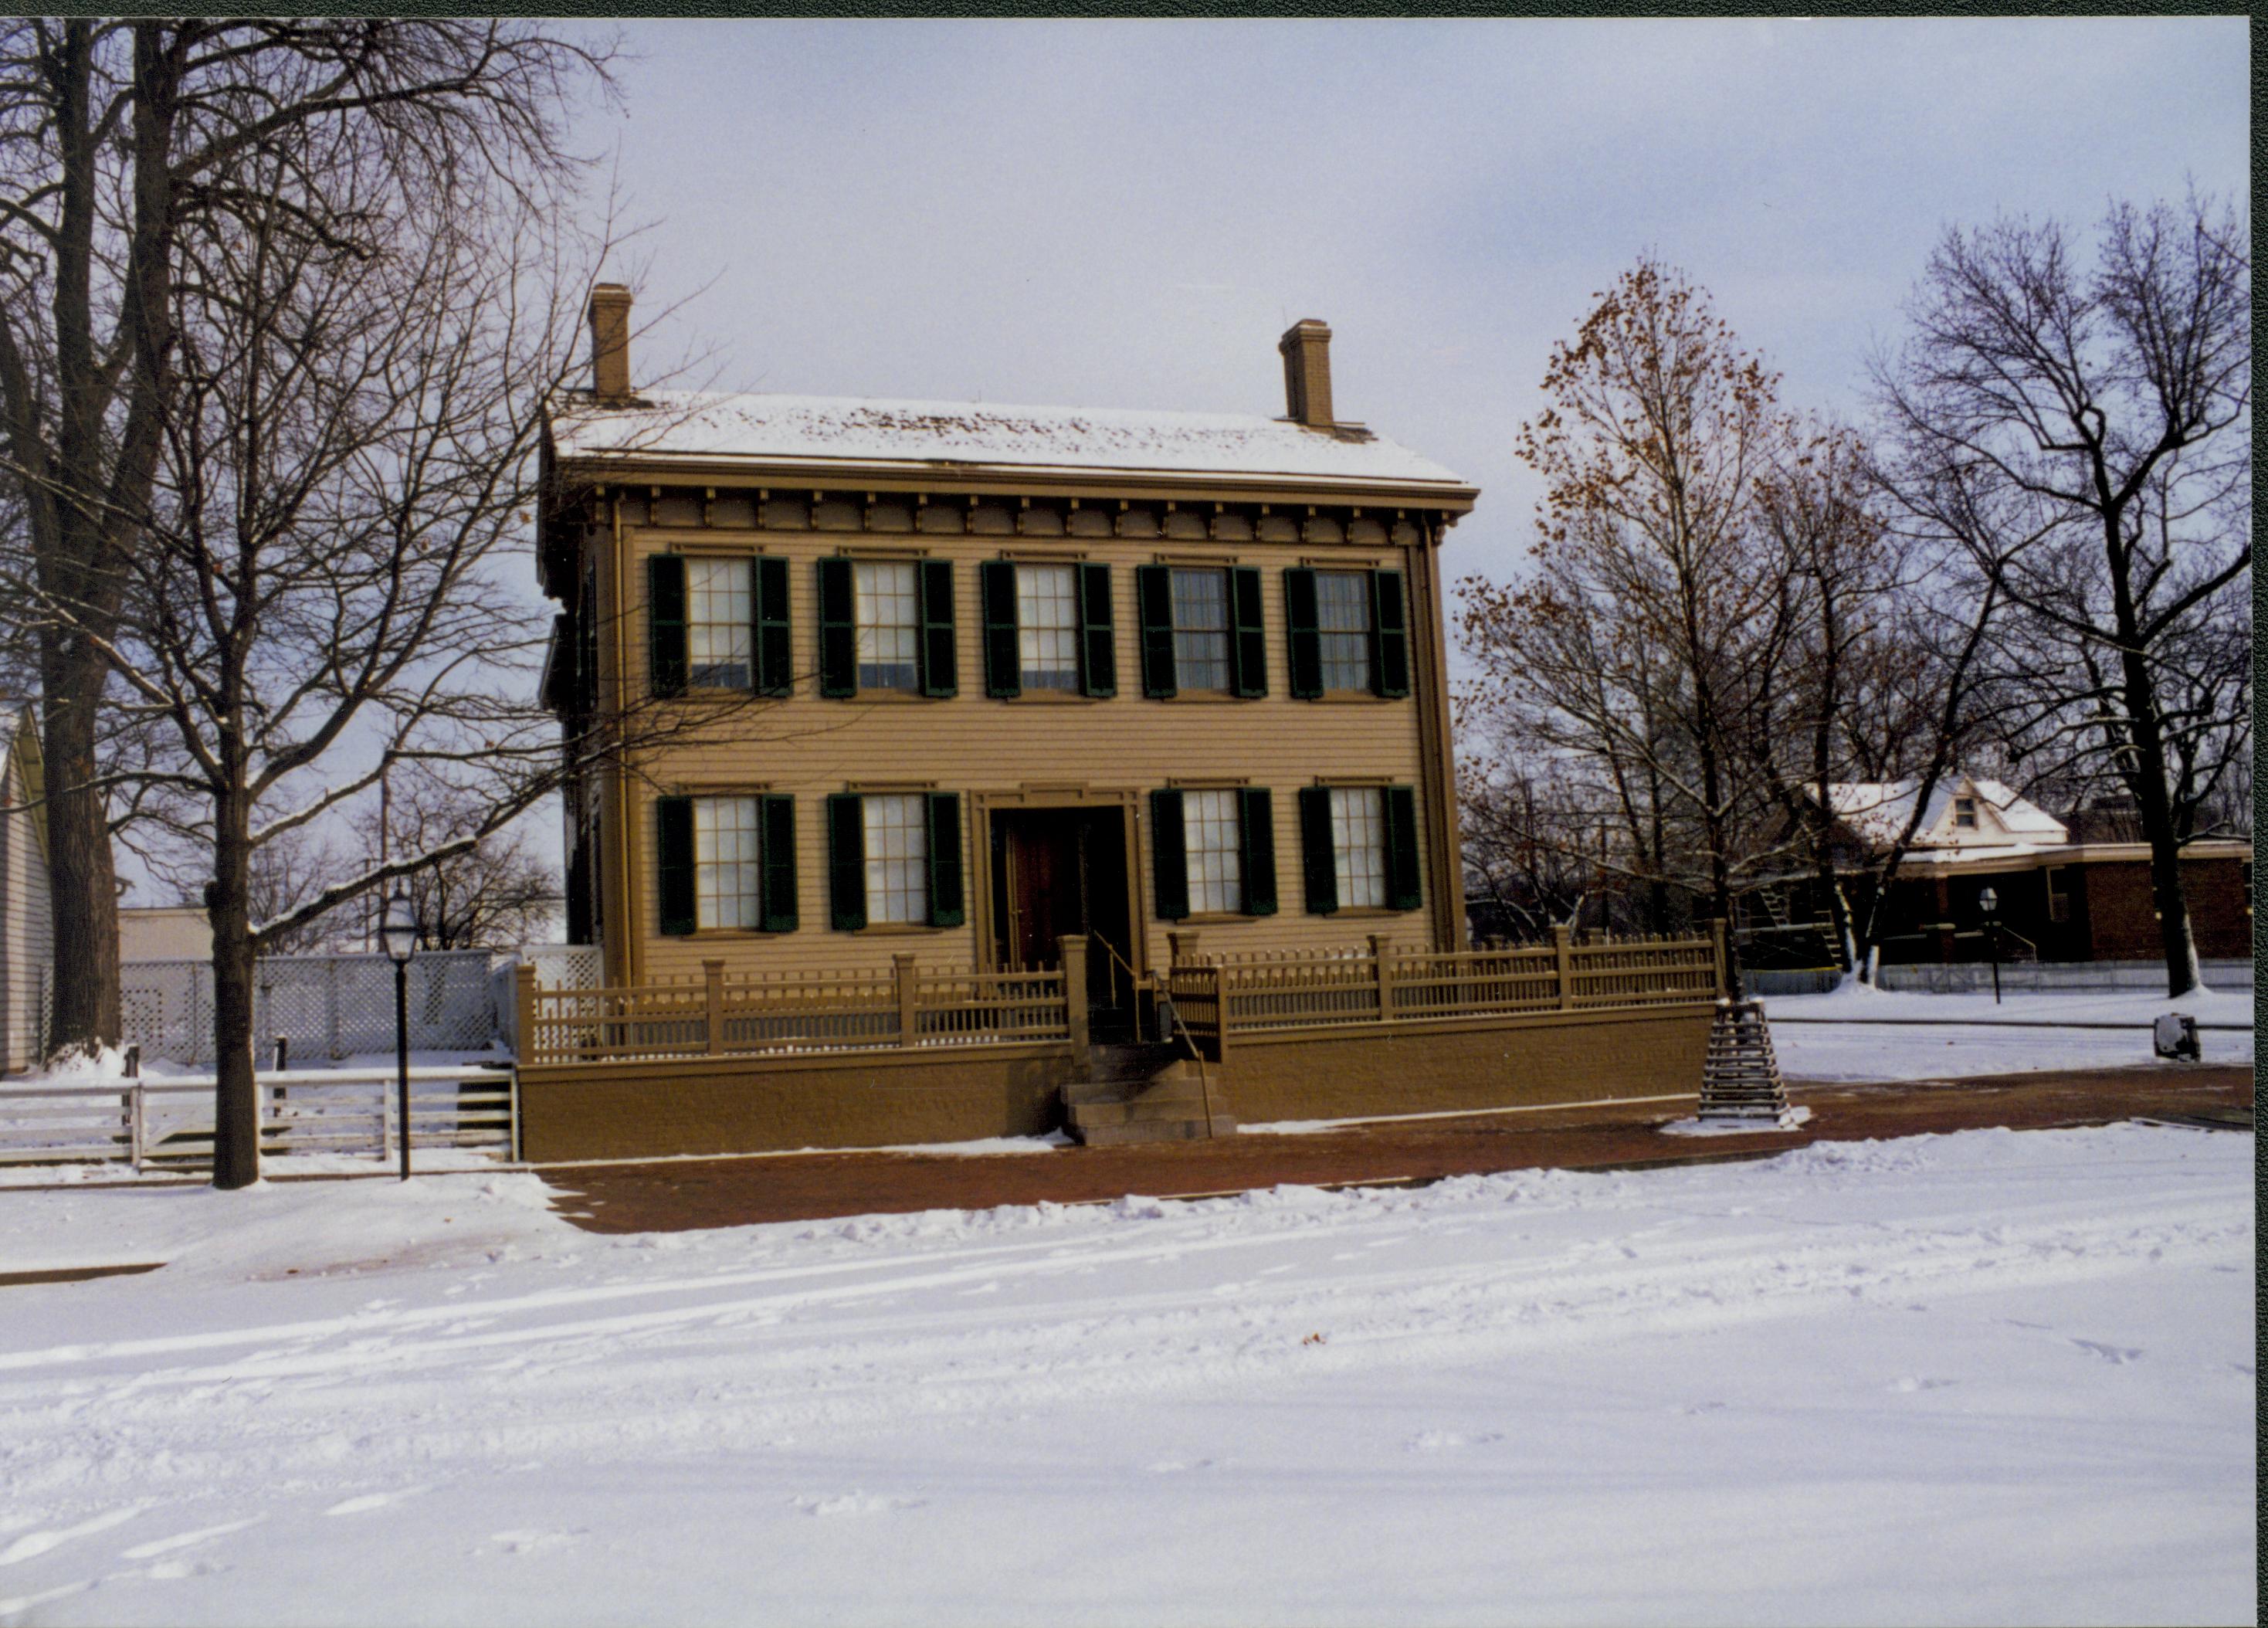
column 2058, row 881
column 719, row 606
column 1359, row 846
column 888, row 613
column 1047, row 626
column 1342, row 621
column 1964, row 813
column 1200, row 630
column 897, row 858
column 1212, row 837
column 728, row 878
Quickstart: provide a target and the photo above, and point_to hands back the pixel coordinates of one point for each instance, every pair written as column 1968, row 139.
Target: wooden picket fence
column 1219, row 998
column 757, row 1013
column 168, row 1123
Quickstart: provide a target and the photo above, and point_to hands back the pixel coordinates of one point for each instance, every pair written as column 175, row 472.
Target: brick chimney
column 1307, row 350
column 610, row 341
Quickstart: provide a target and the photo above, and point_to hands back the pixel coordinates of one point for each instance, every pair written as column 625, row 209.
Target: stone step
column 1155, row 1131
column 1130, row 1062
column 1180, row 1080
column 1136, row 1108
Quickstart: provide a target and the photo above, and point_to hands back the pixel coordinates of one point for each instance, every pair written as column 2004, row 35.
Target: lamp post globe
column 399, row 934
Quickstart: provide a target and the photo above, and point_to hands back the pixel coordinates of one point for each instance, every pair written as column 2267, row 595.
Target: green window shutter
column 838, row 630
column 846, row 861
column 1402, row 890
column 946, row 909
column 775, row 654
column 665, row 622
column 1301, row 628
column 1169, row 854
column 779, row 864
column 1153, row 596
column 996, row 583
column 1390, row 634
column 673, row 819
column 1097, row 640
column 1258, row 812
column 1319, row 872
column 1248, row 646
column 939, row 662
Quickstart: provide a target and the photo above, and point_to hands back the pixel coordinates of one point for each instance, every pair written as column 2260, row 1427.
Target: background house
column 27, row 922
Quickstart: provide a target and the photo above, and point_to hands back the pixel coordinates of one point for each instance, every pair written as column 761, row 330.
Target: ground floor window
column 1214, row 841
column 894, row 859
column 1358, row 848
column 897, row 859
column 728, row 874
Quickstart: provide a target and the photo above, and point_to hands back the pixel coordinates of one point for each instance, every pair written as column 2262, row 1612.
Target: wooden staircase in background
column 1740, row 1078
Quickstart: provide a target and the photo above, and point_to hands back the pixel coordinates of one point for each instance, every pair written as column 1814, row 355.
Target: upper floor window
column 888, row 617
column 1046, row 626
column 1200, row 628
column 719, row 621
column 1964, row 813
column 1343, row 624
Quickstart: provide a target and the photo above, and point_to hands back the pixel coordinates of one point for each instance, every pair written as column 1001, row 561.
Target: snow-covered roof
column 1876, row 812
column 688, row 424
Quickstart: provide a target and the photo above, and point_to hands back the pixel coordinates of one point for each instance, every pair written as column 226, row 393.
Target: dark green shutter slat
column 996, row 583
column 1390, row 637
column 665, row 622
column 775, row 651
column 779, row 864
column 846, row 862
column 1169, row 855
column 1303, row 633
column 838, row 630
column 1320, row 875
column 1098, row 639
column 1247, row 636
column 945, row 901
column 1153, row 595
column 1402, row 889
column 939, row 663
column 1259, row 856
column 673, row 818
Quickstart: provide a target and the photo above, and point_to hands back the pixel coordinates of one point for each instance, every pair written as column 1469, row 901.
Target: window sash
column 1342, row 614
column 887, row 610
column 720, row 620
column 1213, row 856
column 1200, row 628
column 897, row 858
column 1359, row 847
column 728, row 877
column 1046, row 626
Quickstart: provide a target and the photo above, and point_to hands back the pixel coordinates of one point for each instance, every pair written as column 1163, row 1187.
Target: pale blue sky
column 1127, row 213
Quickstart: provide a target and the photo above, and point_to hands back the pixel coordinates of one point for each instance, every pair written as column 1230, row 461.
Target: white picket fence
column 168, row 1123
column 334, row 1006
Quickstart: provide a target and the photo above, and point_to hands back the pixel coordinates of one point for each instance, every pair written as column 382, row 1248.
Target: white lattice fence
column 321, row 1006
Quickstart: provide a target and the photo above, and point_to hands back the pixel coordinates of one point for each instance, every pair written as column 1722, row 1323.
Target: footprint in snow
column 1175, row 1467
column 1440, row 1440
column 33, row 1544
column 531, row 1542
column 369, row 1501
column 2118, row 1356
column 1907, row 1384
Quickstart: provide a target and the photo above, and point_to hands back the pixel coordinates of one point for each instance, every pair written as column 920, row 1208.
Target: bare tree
column 121, row 140
column 495, row 893
column 2095, row 424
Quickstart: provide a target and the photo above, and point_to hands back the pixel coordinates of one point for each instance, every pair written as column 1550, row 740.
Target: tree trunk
column 81, row 881
column 228, row 901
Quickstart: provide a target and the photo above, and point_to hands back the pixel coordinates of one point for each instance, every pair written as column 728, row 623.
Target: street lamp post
column 1989, row 902
column 399, row 935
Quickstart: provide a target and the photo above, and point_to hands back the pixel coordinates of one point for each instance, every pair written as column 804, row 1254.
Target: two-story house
column 877, row 688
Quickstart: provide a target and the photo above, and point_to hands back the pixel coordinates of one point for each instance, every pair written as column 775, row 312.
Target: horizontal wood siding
column 809, row 746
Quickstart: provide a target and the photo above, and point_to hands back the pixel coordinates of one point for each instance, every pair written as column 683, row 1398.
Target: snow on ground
column 1984, row 1377
column 1856, row 1049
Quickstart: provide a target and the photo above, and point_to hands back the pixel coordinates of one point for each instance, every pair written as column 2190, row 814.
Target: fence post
column 1182, row 946
column 523, row 1012
column 713, row 975
column 1382, row 973
column 902, row 968
column 135, row 1109
column 1220, row 1012
column 1074, row 951
column 1563, row 949
column 1717, row 951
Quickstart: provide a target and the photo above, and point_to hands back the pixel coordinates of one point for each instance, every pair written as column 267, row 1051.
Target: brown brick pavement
column 680, row 1195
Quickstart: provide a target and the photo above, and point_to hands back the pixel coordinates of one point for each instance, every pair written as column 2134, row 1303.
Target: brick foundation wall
column 2122, row 912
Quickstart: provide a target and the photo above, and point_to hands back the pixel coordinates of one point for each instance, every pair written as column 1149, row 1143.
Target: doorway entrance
column 1057, row 873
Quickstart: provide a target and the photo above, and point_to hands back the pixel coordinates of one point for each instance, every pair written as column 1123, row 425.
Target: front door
column 1060, row 873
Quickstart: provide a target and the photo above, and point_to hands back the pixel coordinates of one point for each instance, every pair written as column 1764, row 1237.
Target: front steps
column 1741, row 1080
column 1143, row 1094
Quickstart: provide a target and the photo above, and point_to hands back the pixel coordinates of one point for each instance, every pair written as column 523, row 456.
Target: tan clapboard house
column 953, row 698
